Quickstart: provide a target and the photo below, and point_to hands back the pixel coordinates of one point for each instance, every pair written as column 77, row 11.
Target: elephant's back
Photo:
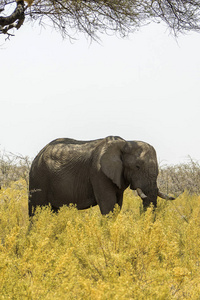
column 55, row 145
column 66, row 150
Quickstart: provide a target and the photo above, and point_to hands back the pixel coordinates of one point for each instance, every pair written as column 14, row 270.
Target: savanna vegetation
column 82, row 255
column 93, row 17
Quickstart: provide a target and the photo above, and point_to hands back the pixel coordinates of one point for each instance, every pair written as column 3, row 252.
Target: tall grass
column 82, row 255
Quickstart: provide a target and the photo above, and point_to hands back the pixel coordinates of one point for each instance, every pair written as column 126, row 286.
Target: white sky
column 145, row 88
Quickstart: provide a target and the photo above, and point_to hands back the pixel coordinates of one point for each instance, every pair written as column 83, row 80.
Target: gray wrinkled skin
column 87, row 173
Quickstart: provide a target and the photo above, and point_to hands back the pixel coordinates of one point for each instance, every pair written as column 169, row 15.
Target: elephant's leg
column 106, row 202
column 120, row 199
column 31, row 209
column 37, row 196
column 54, row 209
column 105, row 194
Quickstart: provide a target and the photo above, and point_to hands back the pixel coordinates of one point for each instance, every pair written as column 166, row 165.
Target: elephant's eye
column 137, row 167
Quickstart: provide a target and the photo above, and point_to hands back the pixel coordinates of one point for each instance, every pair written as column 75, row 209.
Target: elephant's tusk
column 140, row 193
column 165, row 196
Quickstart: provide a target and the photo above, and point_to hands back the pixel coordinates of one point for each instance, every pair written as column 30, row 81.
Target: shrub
column 13, row 167
column 177, row 178
column 82, row 255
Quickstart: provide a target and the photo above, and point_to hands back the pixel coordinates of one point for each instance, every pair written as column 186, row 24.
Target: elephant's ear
column 110, row 161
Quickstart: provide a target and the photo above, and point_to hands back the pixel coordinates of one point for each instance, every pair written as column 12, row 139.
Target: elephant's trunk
column 160, row 194
column 165, row 196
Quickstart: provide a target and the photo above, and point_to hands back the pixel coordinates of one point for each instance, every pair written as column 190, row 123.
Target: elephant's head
column 133, row 163
column 141, row 170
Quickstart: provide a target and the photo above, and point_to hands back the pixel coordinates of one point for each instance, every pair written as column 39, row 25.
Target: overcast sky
column 144, row 88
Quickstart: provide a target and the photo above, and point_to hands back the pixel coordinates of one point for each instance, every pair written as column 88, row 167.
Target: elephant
column 96, row 172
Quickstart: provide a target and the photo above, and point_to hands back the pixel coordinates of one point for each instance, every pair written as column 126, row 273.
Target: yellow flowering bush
column 82, row 255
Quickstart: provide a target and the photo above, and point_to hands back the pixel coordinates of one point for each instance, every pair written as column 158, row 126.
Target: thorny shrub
column 13, row 167
column 177, row 178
